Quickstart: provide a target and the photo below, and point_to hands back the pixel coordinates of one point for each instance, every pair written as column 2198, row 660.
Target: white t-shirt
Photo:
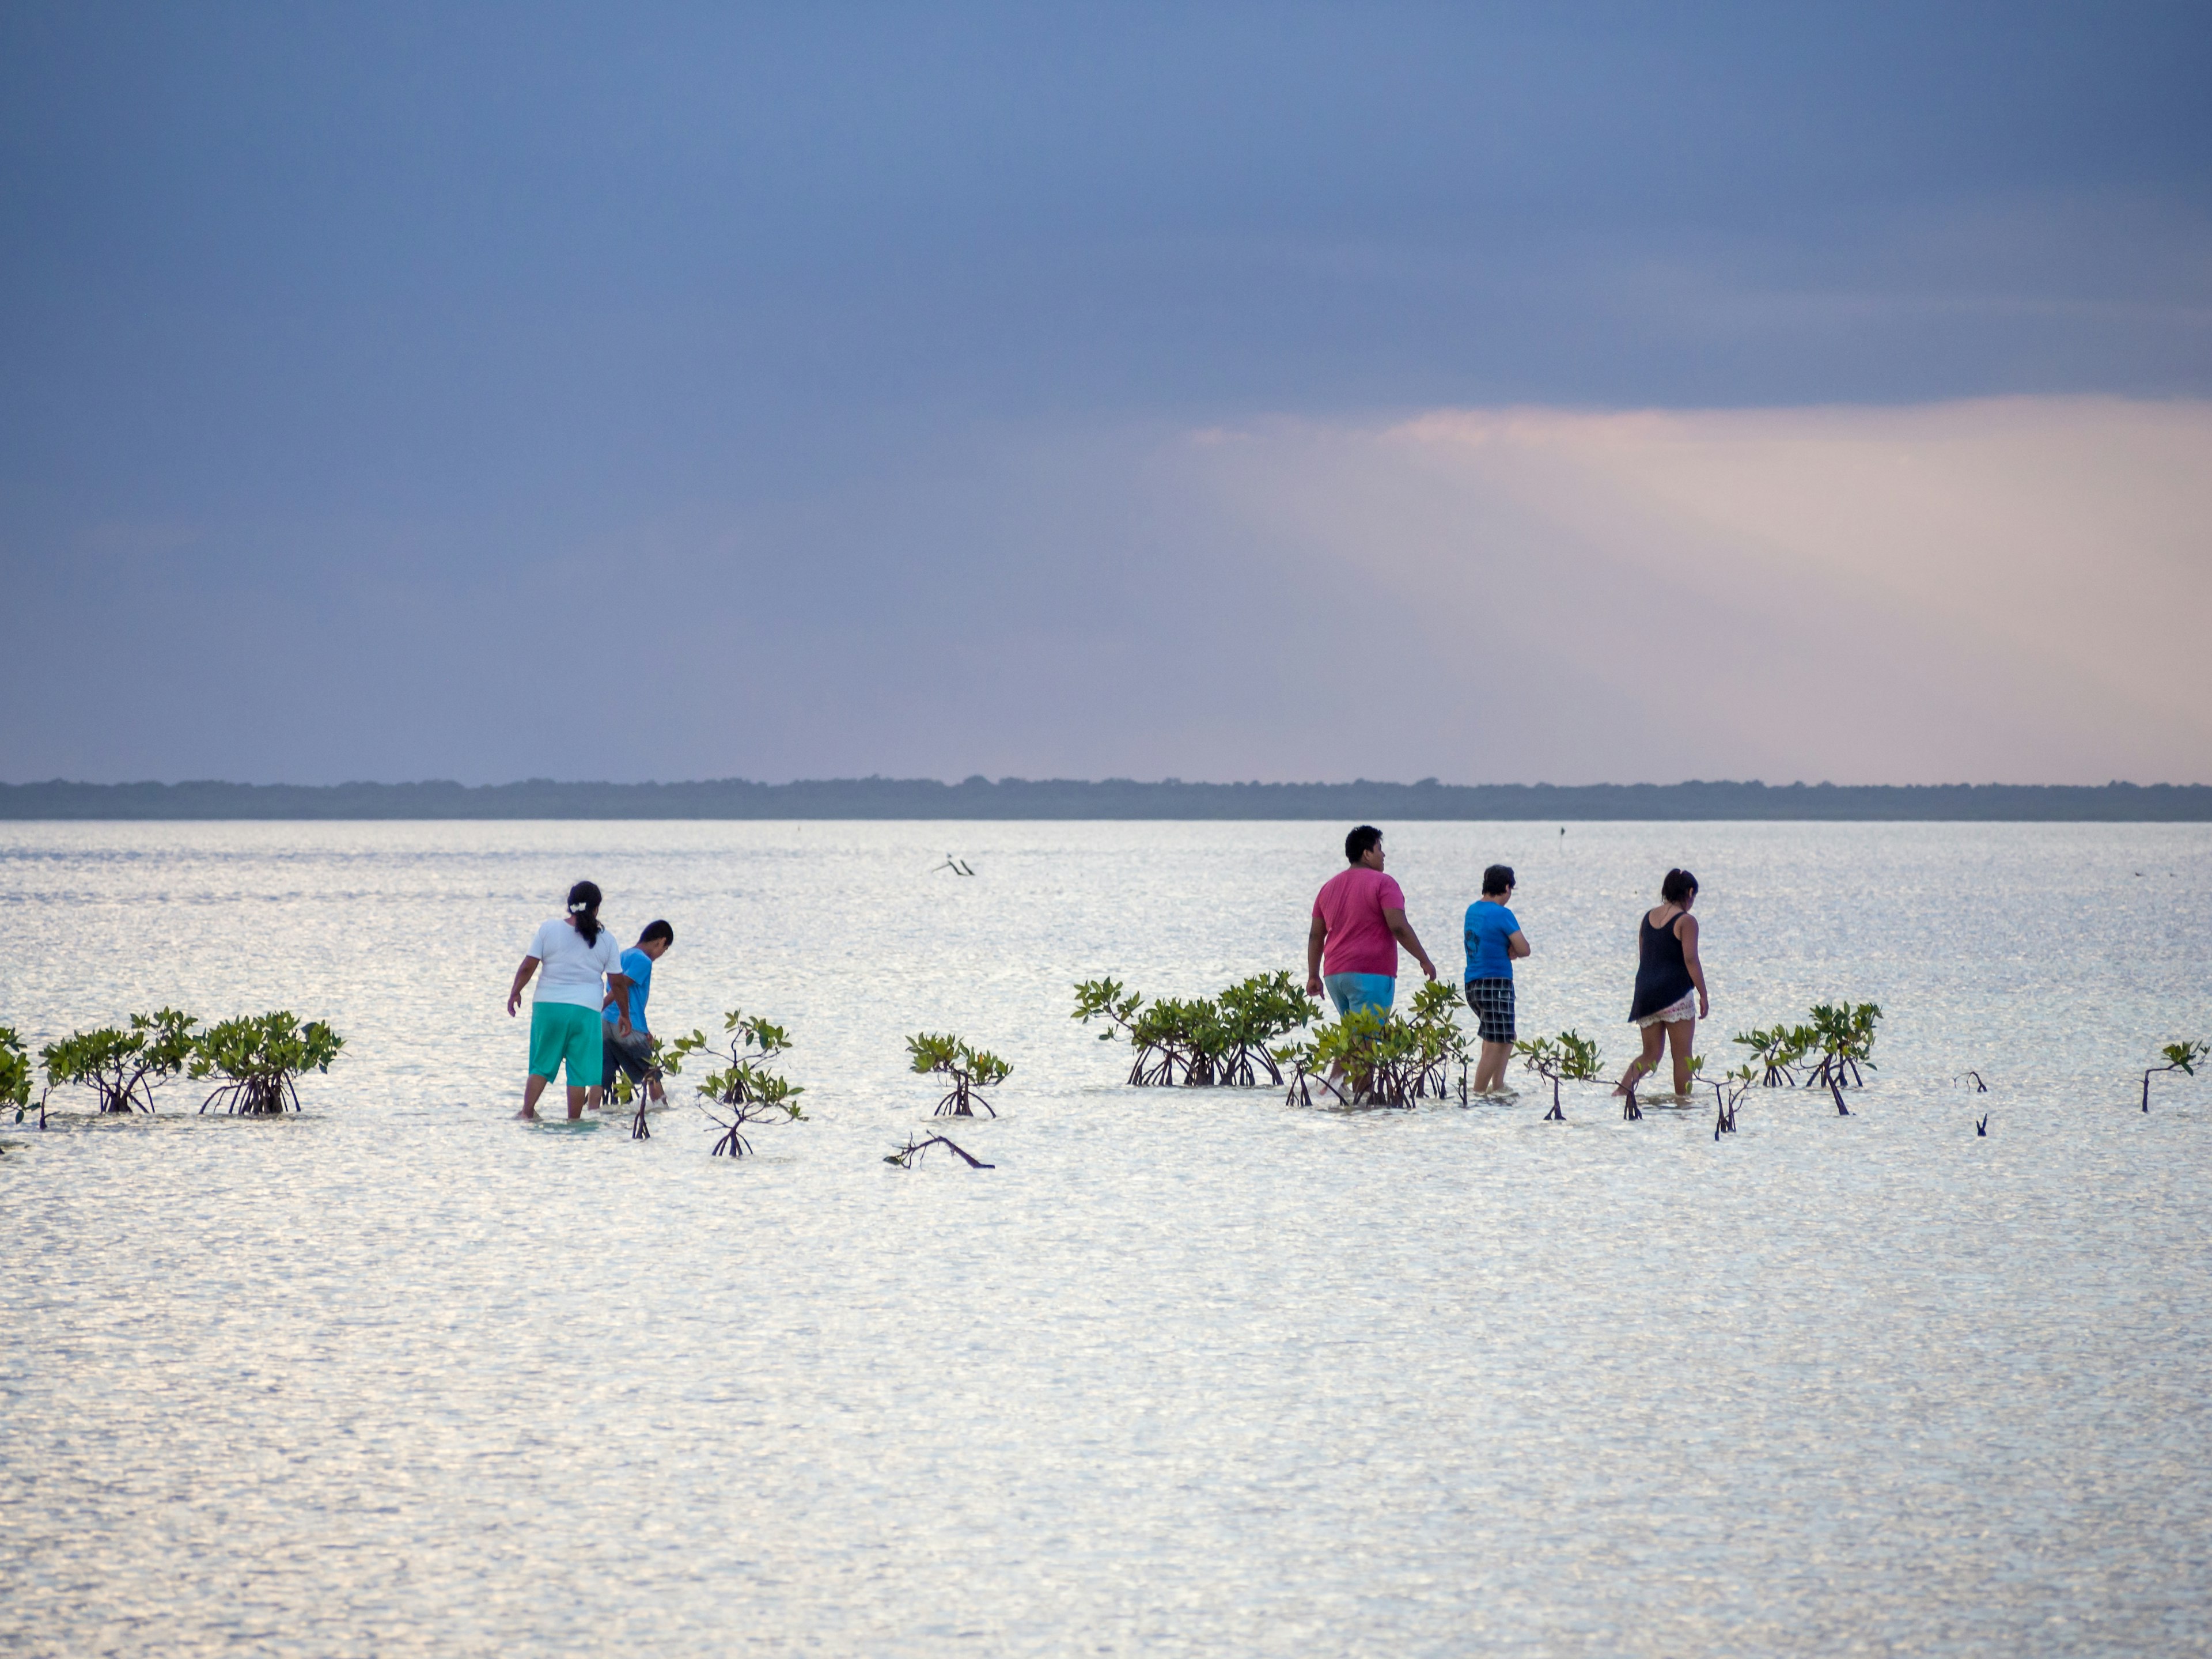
column 574, row 971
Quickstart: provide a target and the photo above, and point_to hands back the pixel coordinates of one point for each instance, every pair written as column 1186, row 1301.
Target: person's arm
column 521, row 978
column 1685, row 929
column 619, row 984
column 1315, row 935
column 1517, row 946
column 1402, row 931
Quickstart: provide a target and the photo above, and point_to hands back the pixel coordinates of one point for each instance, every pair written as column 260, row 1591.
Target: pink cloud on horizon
column 1998, row 590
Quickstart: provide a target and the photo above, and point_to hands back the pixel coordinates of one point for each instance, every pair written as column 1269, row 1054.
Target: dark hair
column 1678, row 886
column 1496, row 879
column 584, row 909
column 654, row 930
column 1358, row 844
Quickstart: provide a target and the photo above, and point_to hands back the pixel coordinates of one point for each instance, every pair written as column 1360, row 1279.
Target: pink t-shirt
column 1352, row 906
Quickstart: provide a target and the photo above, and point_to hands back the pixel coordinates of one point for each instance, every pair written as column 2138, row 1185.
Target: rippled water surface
column 1188, row 1371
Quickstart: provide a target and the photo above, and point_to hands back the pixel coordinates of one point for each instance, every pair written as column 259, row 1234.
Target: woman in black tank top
column 1670, row 982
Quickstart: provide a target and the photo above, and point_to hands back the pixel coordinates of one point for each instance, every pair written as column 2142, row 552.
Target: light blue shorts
column 1350, row 991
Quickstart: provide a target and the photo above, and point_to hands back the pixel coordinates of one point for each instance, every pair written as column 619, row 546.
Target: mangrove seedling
column 1188, row 1033
column 1442, row 1042
column 1379, row 1058
column 1982, row 1124
column 2180, row 1057
column 970, row 1069
column 741, row 1085
column 1252, row 1014
column 1168, row 1037
column 1110, row 1000
column 1975, row 1078
column 1777, row 1052
column 911, row 1154
column 1728, row 1089
column 1569, row 1056
column 14, row 1073
column 260, row 1060
column 124, row 1068
column 1204, row 1041
column 1842, row 1037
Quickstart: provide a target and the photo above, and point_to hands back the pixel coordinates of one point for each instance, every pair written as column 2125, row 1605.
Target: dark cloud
column 360, row 362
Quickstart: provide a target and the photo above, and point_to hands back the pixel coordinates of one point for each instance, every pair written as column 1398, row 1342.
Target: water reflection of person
column 1670, row 982
column 581, row 963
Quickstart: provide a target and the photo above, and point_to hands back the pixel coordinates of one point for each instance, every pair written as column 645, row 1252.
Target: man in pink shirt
column 1360, row 920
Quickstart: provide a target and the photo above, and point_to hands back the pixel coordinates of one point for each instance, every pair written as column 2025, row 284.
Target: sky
column 1524, row 393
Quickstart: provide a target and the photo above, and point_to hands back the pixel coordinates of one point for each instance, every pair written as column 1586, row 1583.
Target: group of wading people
column 1359, row 923
column 588, row 1017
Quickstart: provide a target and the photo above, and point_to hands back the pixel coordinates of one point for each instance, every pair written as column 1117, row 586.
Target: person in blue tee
column 1494, row 943
column 632, row 1054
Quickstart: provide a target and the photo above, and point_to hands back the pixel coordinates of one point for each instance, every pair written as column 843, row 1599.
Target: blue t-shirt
column 1489, row 924
column 639, row 967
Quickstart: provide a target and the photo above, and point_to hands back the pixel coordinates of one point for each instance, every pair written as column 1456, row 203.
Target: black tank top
column 1663, row 978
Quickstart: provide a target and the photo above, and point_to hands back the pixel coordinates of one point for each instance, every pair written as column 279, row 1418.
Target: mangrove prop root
column 1982, row 1124
column 962, row 1103
column 255, row 1096
column 1836, row 1089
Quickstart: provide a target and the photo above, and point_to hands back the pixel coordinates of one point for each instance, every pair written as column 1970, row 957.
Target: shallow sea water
column 1187, row 1372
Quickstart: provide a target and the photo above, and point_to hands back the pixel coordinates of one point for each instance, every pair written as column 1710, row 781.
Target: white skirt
column 1674, row 1012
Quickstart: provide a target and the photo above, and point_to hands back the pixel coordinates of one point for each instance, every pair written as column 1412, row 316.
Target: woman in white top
column 582, row 963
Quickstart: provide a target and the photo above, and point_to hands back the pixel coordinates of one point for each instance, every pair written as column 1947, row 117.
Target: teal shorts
column 561, row 1031
column 1350, row 991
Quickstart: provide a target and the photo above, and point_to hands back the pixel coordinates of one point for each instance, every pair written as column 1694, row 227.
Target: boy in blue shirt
column 1494, row 943
column 633, row 1055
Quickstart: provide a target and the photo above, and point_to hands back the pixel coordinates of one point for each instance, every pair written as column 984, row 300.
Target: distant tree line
column 1114, row 797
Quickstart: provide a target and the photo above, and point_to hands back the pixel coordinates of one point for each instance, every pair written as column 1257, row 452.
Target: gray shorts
column 634, row 1059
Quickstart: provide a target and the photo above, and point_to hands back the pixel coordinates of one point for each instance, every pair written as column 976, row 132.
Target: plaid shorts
column 1492, row 1002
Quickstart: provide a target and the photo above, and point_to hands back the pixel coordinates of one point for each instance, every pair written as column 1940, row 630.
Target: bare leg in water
column 536, row 1087
column 1676, row 1036
column 1490, row 1069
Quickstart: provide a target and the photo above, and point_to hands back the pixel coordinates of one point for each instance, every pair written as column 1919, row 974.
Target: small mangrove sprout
column 2180, row 1057
column 122, row 1068
column 15, row 1076
column 970, row 1069
column 1777, row 1052
column 623, row 1092
column 911, row 1154
column 741, row 1085
column 1729, row 1090
column 261, row 1060
column 1569, row 1055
